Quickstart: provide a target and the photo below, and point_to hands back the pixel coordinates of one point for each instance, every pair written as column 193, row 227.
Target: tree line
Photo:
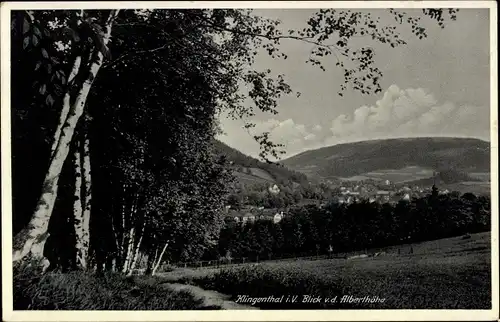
column 114, row 112
column 338, row 228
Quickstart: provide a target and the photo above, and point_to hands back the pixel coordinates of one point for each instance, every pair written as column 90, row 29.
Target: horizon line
column 362, row 140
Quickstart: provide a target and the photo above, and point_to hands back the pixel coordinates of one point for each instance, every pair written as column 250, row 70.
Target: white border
column 289, row 315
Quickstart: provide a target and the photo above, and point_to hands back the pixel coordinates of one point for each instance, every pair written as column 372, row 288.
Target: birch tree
column 32, row 238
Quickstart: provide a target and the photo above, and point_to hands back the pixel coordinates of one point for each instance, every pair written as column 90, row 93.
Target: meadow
column 96, row 291
column 452, row 273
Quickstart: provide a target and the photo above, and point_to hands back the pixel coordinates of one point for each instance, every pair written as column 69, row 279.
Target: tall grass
column 92, row 291
column 258, row 281
column 452, row 273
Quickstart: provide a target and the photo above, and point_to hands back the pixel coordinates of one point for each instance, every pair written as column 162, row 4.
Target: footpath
column 210, row 298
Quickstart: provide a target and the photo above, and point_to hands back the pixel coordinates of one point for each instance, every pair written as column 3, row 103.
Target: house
column 383, row 195
column 248, row 217
column 278, row 217
column 274, row 189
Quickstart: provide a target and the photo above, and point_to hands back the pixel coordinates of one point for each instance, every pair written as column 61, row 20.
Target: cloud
column 317, row 128
column 409, row 113
column 294, row 136
column 399, row 113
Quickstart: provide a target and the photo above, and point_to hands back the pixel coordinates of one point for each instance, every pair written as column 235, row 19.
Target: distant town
column 347, row 193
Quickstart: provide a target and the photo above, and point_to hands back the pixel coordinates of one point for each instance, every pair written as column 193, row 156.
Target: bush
column 93, row 291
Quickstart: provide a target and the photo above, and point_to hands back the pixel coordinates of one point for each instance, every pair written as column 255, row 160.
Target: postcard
column 249, row 161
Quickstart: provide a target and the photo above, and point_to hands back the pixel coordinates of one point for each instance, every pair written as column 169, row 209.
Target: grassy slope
column 89, row 291
column 347, row 160
column 446, row 274
column 253, row 170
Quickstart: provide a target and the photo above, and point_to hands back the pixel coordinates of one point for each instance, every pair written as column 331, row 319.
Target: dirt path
column 210, row 298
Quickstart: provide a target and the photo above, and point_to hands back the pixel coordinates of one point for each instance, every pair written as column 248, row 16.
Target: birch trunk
column 130, row 247
column 86, row 199
column 31, row 240
column 151, row 261
column 81, row 254
column 159, row 260
column 131, row 236
column 136, row 251
column 82, row 202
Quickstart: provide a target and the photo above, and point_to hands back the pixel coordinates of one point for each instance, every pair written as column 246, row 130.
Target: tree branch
column 241, row 32
column 116, row 61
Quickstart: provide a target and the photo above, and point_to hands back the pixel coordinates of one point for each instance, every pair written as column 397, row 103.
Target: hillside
column 399, row 160
column 249, row 170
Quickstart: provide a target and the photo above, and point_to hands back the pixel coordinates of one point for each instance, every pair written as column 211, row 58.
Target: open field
column 481, row 176
column 475, row 187
column 400, row 175
column 452, row 273
column 480, row 181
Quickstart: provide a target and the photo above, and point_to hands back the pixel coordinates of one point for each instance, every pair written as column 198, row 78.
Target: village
column 347, row 193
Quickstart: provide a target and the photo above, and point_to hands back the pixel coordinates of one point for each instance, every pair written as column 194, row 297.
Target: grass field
column 91, row 291
column 400, row 175
column 451, row 273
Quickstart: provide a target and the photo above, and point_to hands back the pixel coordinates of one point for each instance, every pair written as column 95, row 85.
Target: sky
column 436, row 86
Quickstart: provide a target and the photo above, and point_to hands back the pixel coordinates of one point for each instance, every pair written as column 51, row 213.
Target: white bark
column 136, row 252
column 130, row 247
column 86, row 195
column 66, row 104
column 32, row 238
column 153, row 262
column 159, row 260
column 81, row 208
column 81, row 253
column 131, row 236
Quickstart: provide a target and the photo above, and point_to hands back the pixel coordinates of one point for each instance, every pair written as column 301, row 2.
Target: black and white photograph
column 282, row 159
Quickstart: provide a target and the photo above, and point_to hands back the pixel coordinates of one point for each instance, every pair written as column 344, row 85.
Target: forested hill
column 359, row 158
column 250, row 170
